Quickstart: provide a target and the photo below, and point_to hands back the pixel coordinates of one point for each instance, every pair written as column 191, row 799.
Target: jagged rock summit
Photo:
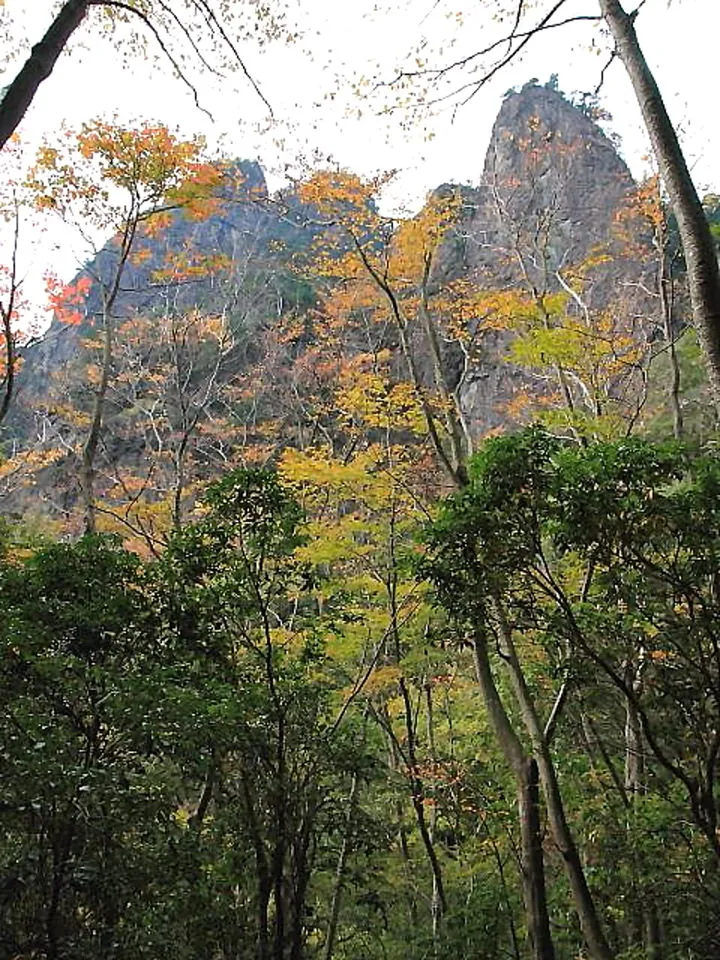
column 548, row 197
column 550, row 190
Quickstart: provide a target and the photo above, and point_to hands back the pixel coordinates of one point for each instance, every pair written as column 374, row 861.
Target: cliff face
column 551, row 185
column 241, row 229
column 552, row 190
column 548, row 199
column 252, row 235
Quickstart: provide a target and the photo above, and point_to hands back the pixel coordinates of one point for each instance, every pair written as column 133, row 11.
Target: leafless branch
column 515, row 41
column 604, row 70
column 189, row 37
column 6, row 314
column 120, row 5
column 212, row 19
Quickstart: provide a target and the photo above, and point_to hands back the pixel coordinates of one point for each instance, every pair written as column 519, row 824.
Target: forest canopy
column 359, row 570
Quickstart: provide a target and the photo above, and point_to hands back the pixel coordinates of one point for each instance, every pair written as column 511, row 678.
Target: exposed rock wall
column 548, row 198
column 552, row 189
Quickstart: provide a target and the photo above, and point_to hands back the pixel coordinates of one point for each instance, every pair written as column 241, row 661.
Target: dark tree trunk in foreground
column 533, row 863
column 525, row 771
column 595, row 940
column 38, row 66
column 700, row 258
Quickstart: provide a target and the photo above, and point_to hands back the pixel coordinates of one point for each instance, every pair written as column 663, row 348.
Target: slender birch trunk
column 340, row 870
column 525, row 772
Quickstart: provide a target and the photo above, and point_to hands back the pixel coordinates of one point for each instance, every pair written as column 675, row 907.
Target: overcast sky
column 312, row 83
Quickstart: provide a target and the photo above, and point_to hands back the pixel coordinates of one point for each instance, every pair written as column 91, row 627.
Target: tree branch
column 38, row 67
column 120, row 5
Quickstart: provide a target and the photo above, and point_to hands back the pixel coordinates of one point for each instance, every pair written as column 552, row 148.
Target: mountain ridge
column 548, row 199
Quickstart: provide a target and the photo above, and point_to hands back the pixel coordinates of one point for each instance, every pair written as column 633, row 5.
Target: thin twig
column 241, row 63
column 120, row 5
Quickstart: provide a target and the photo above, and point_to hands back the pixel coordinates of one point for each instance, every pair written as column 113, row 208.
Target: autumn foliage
column 364, row 686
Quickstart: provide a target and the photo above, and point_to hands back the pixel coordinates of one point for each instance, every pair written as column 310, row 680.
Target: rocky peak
column 545, row 111
column 242, row 229
column 550, row 191
column 248, row 181
column 545, row 209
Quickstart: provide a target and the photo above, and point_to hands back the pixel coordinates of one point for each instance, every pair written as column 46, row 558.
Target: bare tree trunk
column 647, row 923
column 666, row 298
column 533, row 858
column 299, row 869
column 700, row 258
column 9, row 381
column 633, row 787
column 340, row 871
column 109, row 294
column 435, row 903
column 417, row 798
column 407, row 751
column 455, row 424
column 394, row 763
column 633, row 743
column 525, row 772
column 89, row 453
column 653, row 933
column 593, row 741
column 8, row 384
column 61, row 847
column 38, row 67
column 7, row 311
column 456, row 473
column 262, row 876
column 593, row 935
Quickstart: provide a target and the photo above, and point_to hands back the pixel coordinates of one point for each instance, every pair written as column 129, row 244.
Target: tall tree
column 524, row 22
column 156, row 174
column 185, row 21
column 697, row 242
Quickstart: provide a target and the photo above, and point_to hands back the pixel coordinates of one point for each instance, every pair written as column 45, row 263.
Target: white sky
column 310, row 85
